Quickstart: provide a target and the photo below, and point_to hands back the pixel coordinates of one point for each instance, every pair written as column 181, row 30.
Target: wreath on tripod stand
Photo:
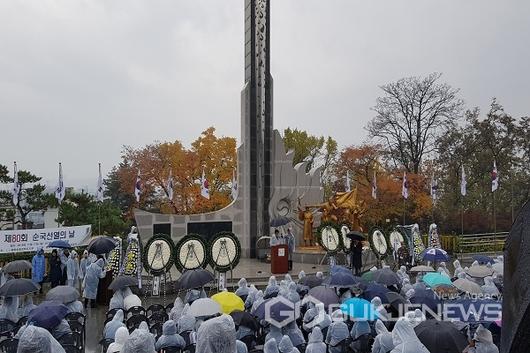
column 159, row 254
column 191, row 253
column 224, row 251
column 329, row 237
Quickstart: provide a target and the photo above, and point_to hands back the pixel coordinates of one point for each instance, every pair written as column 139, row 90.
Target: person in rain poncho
column 320, row 319
column 27, row 306
column 176, row 310
column 257, row 301
column 415, row 317
column 117, row 300
column 38, row 340
column 249, row 300
column 243, row 289
column 186, row 326
column 270, row 346
column 458, row 268
column 442, row 268
column 83, row 265
column 405, row 287
column 309, row 316
column 379, row 308
column 38, row 268
column 122, row 335
column 292, row 294
column 93, row 273
column 217, row 335
column 139, row 341
column 170, row 337
column 75, row 307
column 315, row 342
column 63, row 256
column 72, row 269
column 337, row 332
column 301, row 288
column 193, row 295
column 410, row 293
column 241, row 347
column 286, row 346
column 63, row 328
column 383, row 341
column 319, row 274
column 9, row 309
column 405, row 340
column 272, row 288
column 131, row 301
column 419, row 285
column 291, row 247
column 294, row 333
column 482, row 342
column 274, row 333
column 402, row 273
column 490, row 288
column 359, row 330
column 113, row 325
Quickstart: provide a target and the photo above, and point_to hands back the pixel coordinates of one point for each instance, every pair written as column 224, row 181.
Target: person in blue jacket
column 39, row 267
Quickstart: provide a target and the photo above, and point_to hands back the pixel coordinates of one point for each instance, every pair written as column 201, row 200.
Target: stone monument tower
column 256, row 121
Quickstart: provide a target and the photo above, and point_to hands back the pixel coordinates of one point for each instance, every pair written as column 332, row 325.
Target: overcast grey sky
column 81, row 78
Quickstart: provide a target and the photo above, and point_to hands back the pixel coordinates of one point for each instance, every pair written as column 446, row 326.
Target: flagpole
column 404, row 209
column 494, row 226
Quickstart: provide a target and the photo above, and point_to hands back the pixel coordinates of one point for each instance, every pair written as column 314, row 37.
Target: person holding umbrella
column 63, row 257
column 357, row 249
column 55, row 269
column 39, row 266
column 291, row 244
column 93, row 273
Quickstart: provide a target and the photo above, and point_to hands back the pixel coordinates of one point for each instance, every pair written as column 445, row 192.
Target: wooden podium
column 279, row 259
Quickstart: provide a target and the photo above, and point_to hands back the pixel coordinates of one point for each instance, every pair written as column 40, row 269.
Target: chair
column 169, row 307
column 9, row 345
column 76, row 326
column 134, row 322
column 7, row 327
column 159, row 316
column 68, row 348
column 105, row 343
column 154, row 309
column 110, row 314
column 135, row 310
column 22, row 321
column 156, row 329
column 70, row 317
column 249, row 341
column 107, row 320
column 170, row 350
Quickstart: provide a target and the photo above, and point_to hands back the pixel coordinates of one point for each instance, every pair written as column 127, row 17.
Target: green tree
column 114, row 192
column 316, row 151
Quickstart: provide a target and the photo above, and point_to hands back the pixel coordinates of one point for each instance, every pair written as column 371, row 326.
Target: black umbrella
column 325, row 295
column 47, row 315
column 341, row 279
column 17, row 266
column 60, row 244
column 386, row 277
column 376, row 290
column 280, row 221
column 396, row 300
column 244, row 318
column 441, row 337
column 194, row 279
column 122, row 281
column 356, row 236
column 62, row 294
column 101, row 245
column 310, row 281
column 426, row 297
column 18, row 286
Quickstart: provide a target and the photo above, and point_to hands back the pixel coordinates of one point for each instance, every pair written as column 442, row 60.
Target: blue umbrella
column 338, row 268
column 48, row 314
column 341, row 279
column 276, row 309
column 473, row 311
column 359, row 308
column 325, row 295
column 426, row 297
column 435, row 255
column 376, row 290
column 483, row 259
column 386, row 277
column 60, row 244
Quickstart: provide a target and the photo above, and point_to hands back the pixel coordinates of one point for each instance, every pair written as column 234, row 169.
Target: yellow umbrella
column 229, row 302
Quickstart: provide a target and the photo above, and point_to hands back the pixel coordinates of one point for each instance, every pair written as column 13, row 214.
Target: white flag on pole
column 99, row 191
column 235, row 186
column 405, row 187
column 170, row 186
column 494, row 177
column 205, row 187
column 138, row 187
column 60, row 191
column 463, row 182
column 16, row 185
column 348, row 181
column 374, row 186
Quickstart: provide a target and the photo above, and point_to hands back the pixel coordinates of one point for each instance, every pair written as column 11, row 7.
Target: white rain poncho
column 169, row 337
column 272, row 288
column 249, row 300
column 405, row 340
column 483, row 342
column 243, row 332
column 93, row 273
column 117, row 300
column 337, row 332
column 113, row 325
column 192, row 296
column 139, row 341
column 83, row 265
column 294, row 333
column 243, row 289
column 186, row 323
column 359, row 329
column 9, row 309
column 271, row 346
column 490, row 288
column 410, row 293
column 75, row 307
column 320, row 275
column 274, row 332
column 241, row 347
column 257, row 301
column 217, row 335
column 286, row 346
column 283, row 288
column 38, row 340
column 288, row 278
column 292, row 294
column 131, row 301
column 443, row 267
column 322, row 319
column 301, row 287
column 315, row 342
column 379, row 308
column 122, row 335
column 383, row 341
column 176, row 310
column 458, row 268
column 415, row 317
column 27, row 306
column 72, row 269
column 309, row 316
column 419, row 285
